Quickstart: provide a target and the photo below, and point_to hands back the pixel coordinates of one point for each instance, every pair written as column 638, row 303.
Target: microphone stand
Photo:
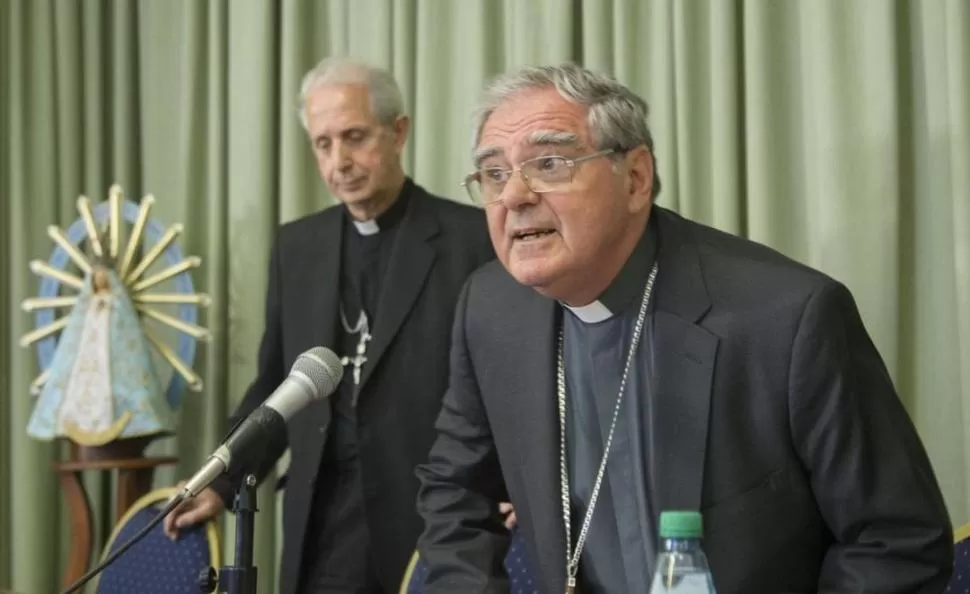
column 239, row 578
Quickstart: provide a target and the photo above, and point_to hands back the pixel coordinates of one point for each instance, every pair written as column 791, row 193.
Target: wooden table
column 134, row 481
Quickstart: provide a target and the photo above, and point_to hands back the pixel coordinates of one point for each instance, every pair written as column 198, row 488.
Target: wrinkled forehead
column 339, row 104
column 529, row 121
column 533, row 143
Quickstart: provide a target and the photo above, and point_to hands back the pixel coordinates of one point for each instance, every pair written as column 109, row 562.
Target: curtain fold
column 835, row 131
column 5, row 306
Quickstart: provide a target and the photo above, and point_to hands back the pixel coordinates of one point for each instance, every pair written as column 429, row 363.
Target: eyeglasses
column 541, row 174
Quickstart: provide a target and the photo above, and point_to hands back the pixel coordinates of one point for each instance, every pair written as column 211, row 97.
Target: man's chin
column 358, row 197
column 535, row 274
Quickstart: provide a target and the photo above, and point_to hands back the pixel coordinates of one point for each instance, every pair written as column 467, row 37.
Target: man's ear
column 401, row 127
column 640, row 171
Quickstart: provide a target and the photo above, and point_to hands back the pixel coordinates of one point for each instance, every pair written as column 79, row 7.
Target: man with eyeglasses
column 376, row 280
column 619, row 360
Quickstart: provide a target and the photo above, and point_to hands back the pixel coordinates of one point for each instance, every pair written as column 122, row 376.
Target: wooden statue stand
column 134, row 480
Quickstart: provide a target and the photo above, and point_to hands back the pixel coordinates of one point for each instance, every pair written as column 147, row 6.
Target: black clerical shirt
column 337, row 555
column 621, row 543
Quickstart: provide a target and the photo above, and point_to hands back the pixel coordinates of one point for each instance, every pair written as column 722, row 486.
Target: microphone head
column 322, row 366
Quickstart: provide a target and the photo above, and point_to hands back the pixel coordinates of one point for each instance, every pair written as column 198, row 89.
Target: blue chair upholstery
column 516, row 564
column 960, row 582
column 155, row 564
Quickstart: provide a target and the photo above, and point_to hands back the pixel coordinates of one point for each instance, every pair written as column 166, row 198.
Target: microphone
column 315, row 375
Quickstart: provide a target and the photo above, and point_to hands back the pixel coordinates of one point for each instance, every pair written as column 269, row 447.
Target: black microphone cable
column 80, row 583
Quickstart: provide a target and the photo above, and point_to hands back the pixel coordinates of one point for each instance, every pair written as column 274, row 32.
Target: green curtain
column 837, row 131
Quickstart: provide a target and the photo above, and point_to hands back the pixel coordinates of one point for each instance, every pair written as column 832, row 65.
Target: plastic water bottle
column 681, row 565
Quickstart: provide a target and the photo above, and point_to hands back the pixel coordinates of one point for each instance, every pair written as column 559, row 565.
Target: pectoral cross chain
column 359, row 359
column 363, row 327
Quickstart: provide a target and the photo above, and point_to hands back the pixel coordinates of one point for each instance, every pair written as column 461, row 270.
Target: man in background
column 619, row 360
column 376, row 280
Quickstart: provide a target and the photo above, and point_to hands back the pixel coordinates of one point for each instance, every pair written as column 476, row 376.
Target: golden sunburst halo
column 135, row 270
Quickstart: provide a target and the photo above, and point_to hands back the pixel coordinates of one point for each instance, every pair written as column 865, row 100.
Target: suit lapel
column 684, row 354
column 529, row 360
column 322, row 266
column 407, row 271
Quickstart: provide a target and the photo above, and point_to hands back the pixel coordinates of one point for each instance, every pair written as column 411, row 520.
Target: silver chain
column 361, row 322
column 572, row 557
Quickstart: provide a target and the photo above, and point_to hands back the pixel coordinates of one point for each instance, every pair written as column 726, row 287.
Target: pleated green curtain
column 837, row 131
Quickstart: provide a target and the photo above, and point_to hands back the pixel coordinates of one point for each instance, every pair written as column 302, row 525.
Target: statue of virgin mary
column 101, row 384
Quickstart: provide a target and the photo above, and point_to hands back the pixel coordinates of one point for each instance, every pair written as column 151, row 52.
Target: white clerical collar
column 593, row 313
column 367, row 227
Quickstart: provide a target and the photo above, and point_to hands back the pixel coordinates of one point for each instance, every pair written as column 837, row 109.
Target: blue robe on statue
column 101, row 384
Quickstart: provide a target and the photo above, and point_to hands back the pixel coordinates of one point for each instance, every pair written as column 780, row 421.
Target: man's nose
column 342, row 156
column 517, row 194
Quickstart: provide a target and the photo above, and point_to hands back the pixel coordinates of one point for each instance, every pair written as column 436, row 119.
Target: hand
column 204, row 506
column 508, row 511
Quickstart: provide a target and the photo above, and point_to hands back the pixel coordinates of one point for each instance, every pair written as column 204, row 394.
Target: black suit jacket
column 774, row 416
column 439, row 243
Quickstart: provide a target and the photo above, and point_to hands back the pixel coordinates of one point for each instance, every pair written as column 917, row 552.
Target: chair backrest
column 960, row 581
column 156, row 565
column 516, row 565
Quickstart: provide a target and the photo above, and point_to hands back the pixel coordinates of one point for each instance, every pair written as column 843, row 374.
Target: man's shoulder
column 462, row 228
column 738, row 264
column 309, row 225
column 298, row 234
column 450, row 209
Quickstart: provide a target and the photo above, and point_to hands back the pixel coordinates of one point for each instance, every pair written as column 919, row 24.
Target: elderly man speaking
column 619, row 361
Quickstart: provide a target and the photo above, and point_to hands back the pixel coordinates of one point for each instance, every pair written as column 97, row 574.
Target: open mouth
column 531, row 234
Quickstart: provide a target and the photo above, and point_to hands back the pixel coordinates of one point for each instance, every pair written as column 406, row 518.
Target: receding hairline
column 336, row 84
column 496, row 96
column 381, row 88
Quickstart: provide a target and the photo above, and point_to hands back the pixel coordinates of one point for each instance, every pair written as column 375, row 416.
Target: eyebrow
column 552, row 138
column 356, row 127
column 485, row 152
column 536, row 138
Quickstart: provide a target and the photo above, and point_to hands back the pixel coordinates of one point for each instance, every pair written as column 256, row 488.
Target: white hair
column 386, row 101
column 616, row 116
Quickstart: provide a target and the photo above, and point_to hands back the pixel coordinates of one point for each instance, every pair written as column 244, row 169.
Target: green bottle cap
column 681, row 524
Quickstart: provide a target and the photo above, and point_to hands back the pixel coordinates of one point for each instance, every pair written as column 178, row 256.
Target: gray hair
column 616, row 116
column 386, row 101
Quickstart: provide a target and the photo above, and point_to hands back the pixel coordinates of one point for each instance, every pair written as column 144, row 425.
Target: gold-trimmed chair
column 516, row 565
column 156, row 565
column 960, row 581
